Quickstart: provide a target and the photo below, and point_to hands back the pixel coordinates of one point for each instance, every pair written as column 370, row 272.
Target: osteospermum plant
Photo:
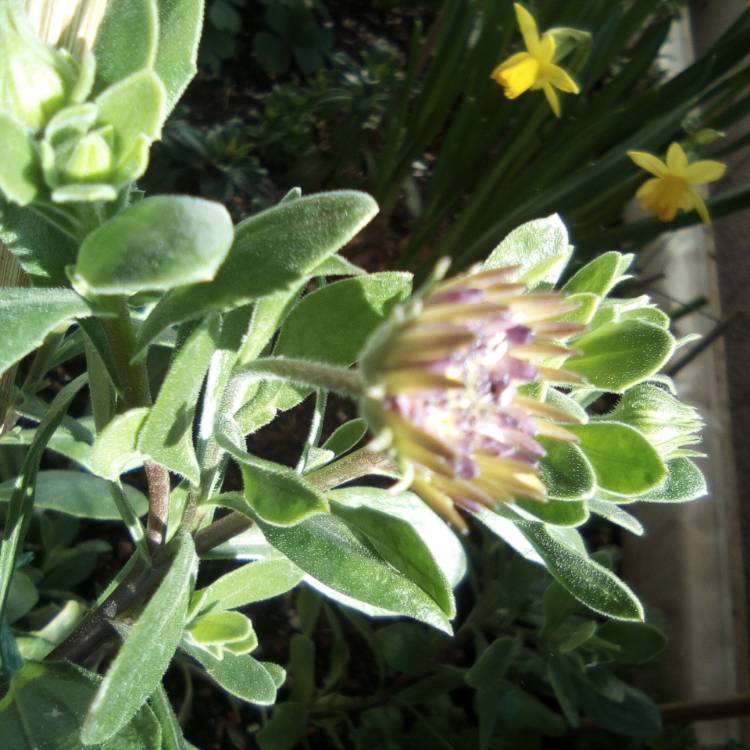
column 499, row 398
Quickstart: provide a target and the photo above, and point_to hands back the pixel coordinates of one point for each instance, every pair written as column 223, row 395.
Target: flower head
column 674, row 182
column 535, row 68
column 444, row 378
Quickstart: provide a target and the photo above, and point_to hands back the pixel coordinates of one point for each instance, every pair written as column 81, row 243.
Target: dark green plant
column 297, row 34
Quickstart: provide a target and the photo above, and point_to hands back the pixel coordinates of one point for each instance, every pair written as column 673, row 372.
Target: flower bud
column 35, row 79
column 444, row 378
column 669, row 425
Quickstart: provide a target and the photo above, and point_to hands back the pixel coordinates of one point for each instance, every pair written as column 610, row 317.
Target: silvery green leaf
column 28, row 315
column 158, row 243
column 146, row 652
column 77, row 494
column 59, row 693
column 272, row 251
column 540, row 248
column 615, row 356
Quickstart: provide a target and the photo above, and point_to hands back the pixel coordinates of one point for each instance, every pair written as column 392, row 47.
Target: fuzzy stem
column 307, row 373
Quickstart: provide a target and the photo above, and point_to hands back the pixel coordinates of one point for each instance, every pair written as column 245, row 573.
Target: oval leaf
column 624, row 462
column 615, row 356
column 272, row 251
column 28, row 315
column 158, row 243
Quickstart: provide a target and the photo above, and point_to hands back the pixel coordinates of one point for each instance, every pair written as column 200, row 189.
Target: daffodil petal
column 676, row 159
column 699, row 205
column 545, row 49
column 527, row 25
column 519, row 57
column 560, row 79
column 552, row 98
column 649, row 162
column 704, row 171
column 647, row 188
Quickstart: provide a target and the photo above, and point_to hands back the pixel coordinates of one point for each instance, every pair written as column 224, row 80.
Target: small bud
column 669, row 425
column 35, row 79
column 87, row 159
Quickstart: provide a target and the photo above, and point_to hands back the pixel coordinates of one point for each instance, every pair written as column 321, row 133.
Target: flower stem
column 307, row 373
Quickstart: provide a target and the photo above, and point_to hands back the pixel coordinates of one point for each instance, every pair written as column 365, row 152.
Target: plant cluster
column 515, row 401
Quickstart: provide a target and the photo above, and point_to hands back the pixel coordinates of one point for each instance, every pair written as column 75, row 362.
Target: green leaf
column 565, row 471
column 241, row 675
column 147, row 651
column 490, row 668
column 685, row 482
column 158, row 243
column 59, row 693
column 399, row 544
column 77, row 494
column 638, row 642
column 42, row 250
column 540, row 248
column 327, row 549
column 345, row 437
column 167, row 434
column 616, row 356
column 20, row 170
column 624, row 462
column 285, row 728
column 275, row 493
column 272, row 251
column 223, row 629
column 21, row 505
column 634, row 715
column 302, row 667
column 249, row 583
column 28, row 315
column 115, row 449
column 134, row 107
column 22, row 596
column 332, row 324
column 554, row 512
column 126, row 40
column 616, row 515
column 171, row 731
column 72, row 443
column 588, row 581
column 600, row 275
column 444, row 546
column 180, row 24
column 409, row 647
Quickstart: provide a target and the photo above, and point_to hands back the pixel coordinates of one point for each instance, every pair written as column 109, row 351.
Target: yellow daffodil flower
column 674, row 182
column 534, row 69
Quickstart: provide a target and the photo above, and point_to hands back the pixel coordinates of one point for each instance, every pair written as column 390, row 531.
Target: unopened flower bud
column 35, row 79
column 444, row 377
column 669, row 425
